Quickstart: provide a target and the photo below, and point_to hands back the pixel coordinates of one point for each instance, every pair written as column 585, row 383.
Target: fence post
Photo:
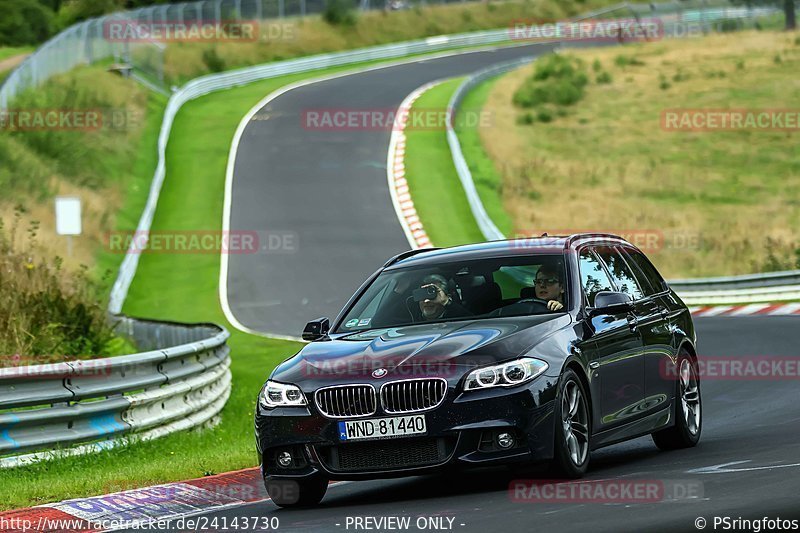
column 302, row 8
column 281, row 8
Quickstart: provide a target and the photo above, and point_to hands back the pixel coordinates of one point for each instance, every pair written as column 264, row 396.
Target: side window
column 593, row 278
column 620, row 272
column 653, row 283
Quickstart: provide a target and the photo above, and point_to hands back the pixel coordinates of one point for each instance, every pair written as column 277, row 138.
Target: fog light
column 285, row 459
column 505, row 440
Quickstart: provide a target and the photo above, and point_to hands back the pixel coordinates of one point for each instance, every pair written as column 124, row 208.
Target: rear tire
column 573, row 428
column 685, row 433
column 291, row 493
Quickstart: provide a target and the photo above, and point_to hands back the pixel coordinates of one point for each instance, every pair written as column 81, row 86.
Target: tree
column 788, row 9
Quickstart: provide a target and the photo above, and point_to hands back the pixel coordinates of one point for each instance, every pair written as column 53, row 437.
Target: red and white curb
column 396, row 173
column 122, row 510
column 780, row 309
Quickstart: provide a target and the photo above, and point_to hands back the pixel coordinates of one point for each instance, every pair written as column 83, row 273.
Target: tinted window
column 653, row 283
column 593, row 278
column 620, row 272
column 474, row 289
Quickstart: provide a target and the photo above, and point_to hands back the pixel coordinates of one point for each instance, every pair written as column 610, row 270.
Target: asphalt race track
column 330, row 191
column 327, row 191
column 753, row 423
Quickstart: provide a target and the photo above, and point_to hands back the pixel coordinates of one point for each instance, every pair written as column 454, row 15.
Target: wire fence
column 88, row 42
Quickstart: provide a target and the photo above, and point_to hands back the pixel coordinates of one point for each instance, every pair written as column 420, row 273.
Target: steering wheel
column 527, row 306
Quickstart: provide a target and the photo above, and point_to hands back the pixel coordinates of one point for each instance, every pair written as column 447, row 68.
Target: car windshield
column 486, row 288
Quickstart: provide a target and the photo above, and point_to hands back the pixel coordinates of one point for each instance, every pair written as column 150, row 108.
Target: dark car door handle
column 632, row 322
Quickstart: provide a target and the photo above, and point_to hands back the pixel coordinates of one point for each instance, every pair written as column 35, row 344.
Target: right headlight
column 276, row 394
column 508, row 374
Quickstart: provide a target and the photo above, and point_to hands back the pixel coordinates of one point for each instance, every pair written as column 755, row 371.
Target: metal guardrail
column 752, row 288
column 182, row 381
column 780, row 286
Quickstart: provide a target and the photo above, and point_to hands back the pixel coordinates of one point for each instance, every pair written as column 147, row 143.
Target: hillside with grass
column 52, row 298
column 343, row 28
column 578, row 144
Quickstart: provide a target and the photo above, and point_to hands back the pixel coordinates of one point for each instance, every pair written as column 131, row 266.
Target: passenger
column 442, row 306
column 549, row 287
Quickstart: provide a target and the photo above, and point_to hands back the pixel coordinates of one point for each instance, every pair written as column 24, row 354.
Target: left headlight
column 508, row 374
column 276, row 394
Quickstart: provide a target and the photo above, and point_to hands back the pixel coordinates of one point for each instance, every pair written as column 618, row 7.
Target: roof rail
column 407, row 254
column 576, row 236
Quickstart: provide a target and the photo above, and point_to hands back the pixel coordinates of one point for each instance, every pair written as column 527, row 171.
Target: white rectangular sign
column 68, row 215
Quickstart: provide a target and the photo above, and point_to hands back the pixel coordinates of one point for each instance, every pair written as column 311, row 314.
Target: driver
column 549, row 287
column 443, row 305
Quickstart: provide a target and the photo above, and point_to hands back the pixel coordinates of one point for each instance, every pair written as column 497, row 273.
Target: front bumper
column 460, row 432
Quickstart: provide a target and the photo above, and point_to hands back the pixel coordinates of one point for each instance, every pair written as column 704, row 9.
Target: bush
column 73, row 11
column 544, row 115
column 728, row 25
column 24, row 22
column 628, row 61
column 604, row 78
column 680, row 76
column 339, row 13
column 556, row 80
column 212, row 60
column 46, row 313
column 525, row 119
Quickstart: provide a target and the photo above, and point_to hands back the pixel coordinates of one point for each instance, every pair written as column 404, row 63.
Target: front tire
column 688, row 422
column 573, row 428
column 291, row 493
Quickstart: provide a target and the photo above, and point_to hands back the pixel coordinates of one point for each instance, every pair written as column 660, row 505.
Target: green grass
column 11, row 51
column 138, row 185
column 439, row 197
column 487, row 180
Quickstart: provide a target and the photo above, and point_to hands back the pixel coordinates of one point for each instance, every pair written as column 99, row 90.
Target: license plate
column 382, row 428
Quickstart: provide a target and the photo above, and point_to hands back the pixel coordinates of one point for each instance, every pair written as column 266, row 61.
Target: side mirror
column 610, row 303
column 317, row 329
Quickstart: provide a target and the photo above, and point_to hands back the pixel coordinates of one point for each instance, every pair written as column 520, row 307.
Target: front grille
column 412, row 395
column 346, row 401
column 385, row 455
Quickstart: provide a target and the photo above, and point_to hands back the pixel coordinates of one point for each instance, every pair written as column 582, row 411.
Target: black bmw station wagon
column 520, row 351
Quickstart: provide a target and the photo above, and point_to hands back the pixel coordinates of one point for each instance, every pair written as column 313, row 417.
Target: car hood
column 421, row 348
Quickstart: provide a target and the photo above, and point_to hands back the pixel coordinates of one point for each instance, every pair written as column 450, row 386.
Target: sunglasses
column 546, row 282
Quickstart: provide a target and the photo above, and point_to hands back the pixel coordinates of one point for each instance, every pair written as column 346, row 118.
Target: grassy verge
column 487, row 180
column 11, row 51
column 438, row 195
column 435, row 187
column 713, row 203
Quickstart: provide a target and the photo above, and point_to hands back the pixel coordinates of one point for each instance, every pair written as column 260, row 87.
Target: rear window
column 620, row 272
column 649, row 278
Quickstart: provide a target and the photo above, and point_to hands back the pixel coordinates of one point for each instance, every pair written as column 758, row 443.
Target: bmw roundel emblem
column 379, row 373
